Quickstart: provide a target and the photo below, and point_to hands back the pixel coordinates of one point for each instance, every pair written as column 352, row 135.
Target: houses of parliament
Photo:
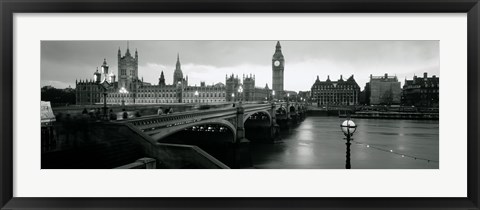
column 128, row 88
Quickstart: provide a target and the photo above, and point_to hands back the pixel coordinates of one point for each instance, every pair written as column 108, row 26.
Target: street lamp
column 288, row 97
column 273, row 95
column 123, row 92
column 233, row 97
column 196, row 96
column 348, row 127
column 240, row 90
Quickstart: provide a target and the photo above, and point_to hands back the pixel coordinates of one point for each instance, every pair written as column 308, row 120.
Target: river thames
column 318, row 143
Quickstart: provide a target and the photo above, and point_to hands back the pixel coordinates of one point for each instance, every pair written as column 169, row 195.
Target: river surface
column 318, row 143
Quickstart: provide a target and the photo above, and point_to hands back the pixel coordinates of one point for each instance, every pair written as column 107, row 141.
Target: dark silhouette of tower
column 278, row 64
column 161, row 81
column 127, row 69
column 178, row 74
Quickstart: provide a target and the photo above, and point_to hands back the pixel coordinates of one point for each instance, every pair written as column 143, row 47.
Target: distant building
column 89, row 91
column 340, row 92
column 232, row 84
column 253, row 93
column 290, row 95
column 383, row 90
column 92, row 91
column 304, row 95
column 421, row 91
column 249, row 91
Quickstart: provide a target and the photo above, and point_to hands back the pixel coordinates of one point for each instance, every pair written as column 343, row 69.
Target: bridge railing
column 147, row 121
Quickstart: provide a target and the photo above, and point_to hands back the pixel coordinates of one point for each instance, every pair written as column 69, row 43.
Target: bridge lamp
column 240, row 90
column 348, row 128
column 123, row 92
column 196, row 95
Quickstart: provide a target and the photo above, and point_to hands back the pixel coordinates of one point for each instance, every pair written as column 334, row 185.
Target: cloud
column 209, row 61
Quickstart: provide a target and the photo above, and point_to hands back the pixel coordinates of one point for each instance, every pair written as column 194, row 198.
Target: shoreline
column 377, row 115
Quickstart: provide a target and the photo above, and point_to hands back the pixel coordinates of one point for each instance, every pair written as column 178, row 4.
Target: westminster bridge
column 225, row 133
column 200, row 138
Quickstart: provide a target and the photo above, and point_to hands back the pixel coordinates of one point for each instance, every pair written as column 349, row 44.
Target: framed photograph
column 239, row 105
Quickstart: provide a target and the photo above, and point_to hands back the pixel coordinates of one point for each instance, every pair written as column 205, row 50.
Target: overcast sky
column 64, row 61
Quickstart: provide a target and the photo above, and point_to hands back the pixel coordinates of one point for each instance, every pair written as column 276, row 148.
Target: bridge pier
column 274, row 127
column 241, row 148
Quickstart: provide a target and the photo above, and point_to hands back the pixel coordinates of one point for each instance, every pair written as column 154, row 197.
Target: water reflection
column 318, row 143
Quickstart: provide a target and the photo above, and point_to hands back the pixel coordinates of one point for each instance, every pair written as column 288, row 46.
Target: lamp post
column 273, row 95
column 288, row 97
column 348, row 127
column 123, row 92
column 196, row 96
column 233, row 97
column 105, row 104
column 240, row 90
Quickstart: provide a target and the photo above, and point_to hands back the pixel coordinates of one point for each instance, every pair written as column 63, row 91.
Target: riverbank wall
column 375, row 115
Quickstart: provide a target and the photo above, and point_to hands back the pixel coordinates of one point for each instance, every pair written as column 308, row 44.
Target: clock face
column 276, row 63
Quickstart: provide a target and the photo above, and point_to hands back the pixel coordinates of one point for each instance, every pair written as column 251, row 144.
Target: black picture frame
column 9, row 7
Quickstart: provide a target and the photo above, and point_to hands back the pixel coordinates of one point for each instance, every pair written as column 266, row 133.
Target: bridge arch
column 280, row 109
column 247, row 116
column 292, row 108
column 175, row 129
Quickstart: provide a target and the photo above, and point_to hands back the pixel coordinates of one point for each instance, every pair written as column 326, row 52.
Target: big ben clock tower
column 278, row 64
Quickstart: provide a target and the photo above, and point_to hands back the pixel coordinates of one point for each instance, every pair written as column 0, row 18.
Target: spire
column 318, row 78
column 128, row 49
column 178, row 61
column 278, row 52
column 178, row 74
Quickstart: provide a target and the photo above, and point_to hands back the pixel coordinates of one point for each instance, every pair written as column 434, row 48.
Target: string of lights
column 403, row 155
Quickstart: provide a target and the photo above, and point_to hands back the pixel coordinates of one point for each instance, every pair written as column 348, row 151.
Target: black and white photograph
column 238, row 104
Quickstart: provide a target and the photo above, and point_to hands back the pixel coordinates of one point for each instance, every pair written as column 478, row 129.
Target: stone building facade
column 340, row 92
column 232, row 84
column 249, row 91
column 383, row 90
column 90, row 91
column 421, row 91
column 140, row 92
